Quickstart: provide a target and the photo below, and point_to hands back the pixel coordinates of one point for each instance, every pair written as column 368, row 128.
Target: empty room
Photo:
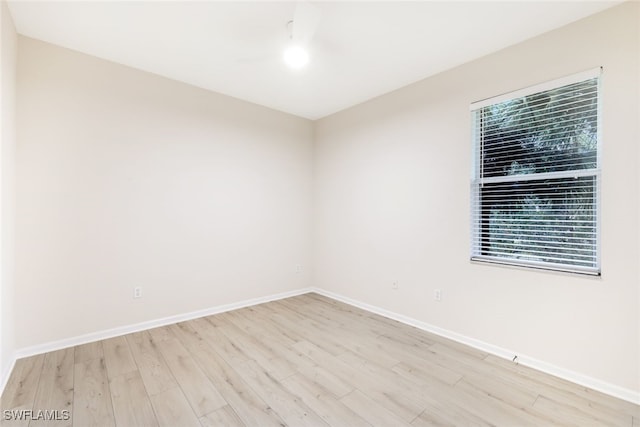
column 351, row 213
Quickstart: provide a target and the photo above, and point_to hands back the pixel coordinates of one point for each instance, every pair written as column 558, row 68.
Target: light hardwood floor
column 306, row 360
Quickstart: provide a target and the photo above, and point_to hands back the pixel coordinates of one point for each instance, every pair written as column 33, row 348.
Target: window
column 536, row 177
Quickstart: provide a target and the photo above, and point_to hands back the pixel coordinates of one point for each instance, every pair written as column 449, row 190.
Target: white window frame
column 477, row 180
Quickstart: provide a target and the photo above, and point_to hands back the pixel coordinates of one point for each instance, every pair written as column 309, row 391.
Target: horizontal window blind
column 536, row 178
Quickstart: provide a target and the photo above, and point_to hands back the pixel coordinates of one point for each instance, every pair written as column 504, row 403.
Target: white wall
column 392, row 204
column 129, row 179
column 8, row 44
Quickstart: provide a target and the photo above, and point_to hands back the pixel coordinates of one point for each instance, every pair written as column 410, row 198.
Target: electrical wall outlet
column 137, row 292
column 298, row 269
column 437, row 295
column 394, row 285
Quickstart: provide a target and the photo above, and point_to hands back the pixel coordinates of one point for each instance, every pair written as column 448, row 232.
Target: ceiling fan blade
column 305, row 21
column 254, row 59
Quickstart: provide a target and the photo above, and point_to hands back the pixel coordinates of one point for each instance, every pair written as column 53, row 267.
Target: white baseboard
column 575, row 377
column 123, row 330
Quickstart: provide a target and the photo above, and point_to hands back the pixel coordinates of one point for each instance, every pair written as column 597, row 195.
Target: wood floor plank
column 172, row 409
column 303, row 299
column 361, row 337
column 118, row 357
column 422, row 369
column 446, row 407
column 226, row 348
column 232, row 388
column 332, row 383
column 307, row 329
column 141, row 342
column 251, row 409
column 503, row 390
column 89, row 351
column 449, row 417
column 261, row 352
column 447, row 412
column 260, row 319
column 92, row 400
column 337, row 319
column 554, row 387
column 21, row 388
column 597, row 404
column 490, row 407
column 399, row 396
column 377, row 324
column 131, row 404
column 323, row 403
column 595, row 408
column 289, row 407
column 449, row 366
column 197, row 388
column 458, row 351
column 323, row 317
column 369, row 349
column 383, row 387
column 161, row 333
column 279, row 345
column 568, row 415
column 217, row 320
column 154, row 371
column 224, row 416
column 294, row 303
column 412, row 342
column 55, row 389
column 190, row 338
column 369, row 410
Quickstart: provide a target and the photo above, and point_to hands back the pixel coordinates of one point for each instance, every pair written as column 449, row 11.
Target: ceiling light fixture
column 295, row 56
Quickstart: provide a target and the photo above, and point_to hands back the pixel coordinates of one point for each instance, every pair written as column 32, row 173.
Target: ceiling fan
column 294, row 42
column 301, row 30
